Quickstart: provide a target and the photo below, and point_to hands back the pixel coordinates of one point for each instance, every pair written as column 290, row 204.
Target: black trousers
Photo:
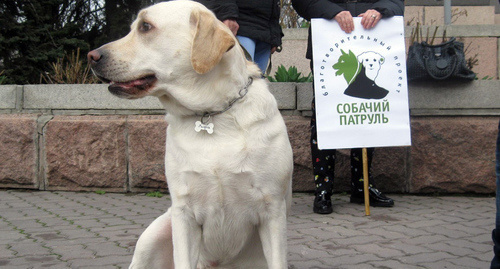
column 324, row 163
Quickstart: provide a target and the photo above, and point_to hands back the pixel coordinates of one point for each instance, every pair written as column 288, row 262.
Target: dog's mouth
column 131, row 89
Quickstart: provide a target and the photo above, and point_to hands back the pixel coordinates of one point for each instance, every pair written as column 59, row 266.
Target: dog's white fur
column 230, row 190
column 371, row 61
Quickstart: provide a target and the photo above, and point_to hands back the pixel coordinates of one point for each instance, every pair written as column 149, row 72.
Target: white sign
column 361, row 90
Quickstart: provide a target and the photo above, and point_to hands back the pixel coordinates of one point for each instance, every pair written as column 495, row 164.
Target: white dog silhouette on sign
column 360, row 74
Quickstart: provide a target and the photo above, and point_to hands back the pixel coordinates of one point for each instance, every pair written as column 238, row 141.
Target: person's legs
column 248, row 44
column 323, row 162
column 495, row 263
column 262, row 55
column 357, row 165
column 259, row 51
column 497, row 219
column 377, row 198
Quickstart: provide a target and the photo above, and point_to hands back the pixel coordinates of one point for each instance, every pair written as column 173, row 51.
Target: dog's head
column 371, row 60
column 347, row 65
column 168, row 42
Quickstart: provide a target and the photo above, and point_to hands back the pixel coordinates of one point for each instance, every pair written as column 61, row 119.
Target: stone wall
column 80, row 137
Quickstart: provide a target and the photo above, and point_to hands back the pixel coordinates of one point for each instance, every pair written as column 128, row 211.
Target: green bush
column 290, row 75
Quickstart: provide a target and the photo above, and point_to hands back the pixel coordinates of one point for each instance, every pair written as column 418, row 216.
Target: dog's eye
column 144, row 27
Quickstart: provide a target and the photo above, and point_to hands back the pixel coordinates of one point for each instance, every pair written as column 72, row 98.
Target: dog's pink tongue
column 129, row 84
column 139, row 84
column 132, row 89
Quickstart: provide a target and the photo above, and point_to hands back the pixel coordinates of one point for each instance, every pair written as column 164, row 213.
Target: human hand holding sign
column 233, row 25
column 344, row 18
column 369, row 19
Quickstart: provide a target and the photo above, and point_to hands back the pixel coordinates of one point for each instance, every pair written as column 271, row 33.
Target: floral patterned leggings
column 324, row 163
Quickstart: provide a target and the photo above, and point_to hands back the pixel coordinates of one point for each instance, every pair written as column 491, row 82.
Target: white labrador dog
column 228, row 158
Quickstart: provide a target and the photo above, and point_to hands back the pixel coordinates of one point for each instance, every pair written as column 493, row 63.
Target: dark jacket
column 328, row 9
column 258, row 19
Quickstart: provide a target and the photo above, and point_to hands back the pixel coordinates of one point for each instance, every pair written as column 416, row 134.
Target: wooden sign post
column 366, row 183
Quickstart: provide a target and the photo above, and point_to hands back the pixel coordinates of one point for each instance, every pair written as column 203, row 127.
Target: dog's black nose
column 93, row 57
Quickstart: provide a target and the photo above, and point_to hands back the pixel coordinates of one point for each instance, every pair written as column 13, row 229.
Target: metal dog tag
column 198, row 126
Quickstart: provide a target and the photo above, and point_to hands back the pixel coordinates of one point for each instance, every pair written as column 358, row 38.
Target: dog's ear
column 210, row 41
column 381, row 60
column 360, row 57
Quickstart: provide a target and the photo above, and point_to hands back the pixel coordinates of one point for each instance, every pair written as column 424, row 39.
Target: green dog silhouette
column 348, row 66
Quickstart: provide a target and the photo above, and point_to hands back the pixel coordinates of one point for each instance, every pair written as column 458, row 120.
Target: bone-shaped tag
column 198, row 126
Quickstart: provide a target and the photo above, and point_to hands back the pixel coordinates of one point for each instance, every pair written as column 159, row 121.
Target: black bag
column 439, row 62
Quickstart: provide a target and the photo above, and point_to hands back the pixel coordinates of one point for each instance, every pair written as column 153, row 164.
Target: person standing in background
column 255, row 23
column 495, row 263
column 371, row 12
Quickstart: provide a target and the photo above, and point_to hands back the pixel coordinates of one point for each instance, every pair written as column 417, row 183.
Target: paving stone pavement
column 88, row 230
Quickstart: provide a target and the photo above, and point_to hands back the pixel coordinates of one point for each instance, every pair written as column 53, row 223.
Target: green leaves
column 3, row 78
column 156, row 194
column 290, row 75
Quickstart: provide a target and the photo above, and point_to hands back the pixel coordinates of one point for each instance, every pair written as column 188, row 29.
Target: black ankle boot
column 377, row 198
column 322, row 203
